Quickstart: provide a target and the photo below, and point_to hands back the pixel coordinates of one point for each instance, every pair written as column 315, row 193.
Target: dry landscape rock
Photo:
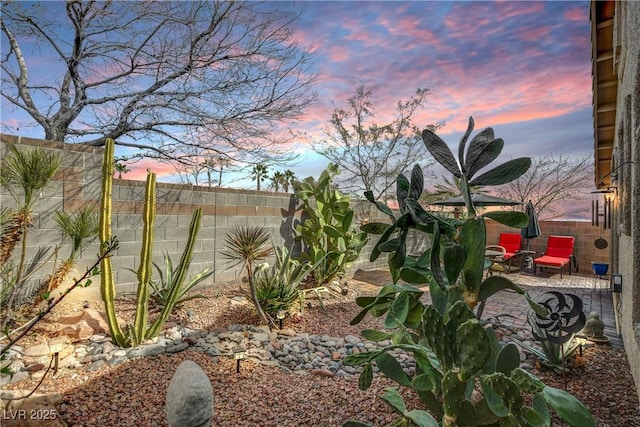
column 133, row 392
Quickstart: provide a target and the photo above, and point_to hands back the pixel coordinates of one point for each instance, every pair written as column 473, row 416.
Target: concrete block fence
column 78, row 184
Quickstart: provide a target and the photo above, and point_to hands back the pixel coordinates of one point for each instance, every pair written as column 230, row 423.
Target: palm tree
column 277, row 179
column 121, row 168
column 259, row 174
column 82, row 229
column 289, row 179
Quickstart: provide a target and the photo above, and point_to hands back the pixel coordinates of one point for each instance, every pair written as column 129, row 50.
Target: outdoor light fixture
column 280, row 315
column 616, row 279
column 238, row 354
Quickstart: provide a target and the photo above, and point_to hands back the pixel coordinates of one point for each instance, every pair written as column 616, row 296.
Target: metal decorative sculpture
column 565, row 318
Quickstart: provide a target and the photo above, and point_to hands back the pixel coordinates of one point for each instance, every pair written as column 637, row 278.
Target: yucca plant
column 82, row 228
column 248, row 245
column 23, row 173
column 162, row 288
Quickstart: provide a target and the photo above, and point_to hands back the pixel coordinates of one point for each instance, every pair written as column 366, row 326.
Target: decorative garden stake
column 557, row 328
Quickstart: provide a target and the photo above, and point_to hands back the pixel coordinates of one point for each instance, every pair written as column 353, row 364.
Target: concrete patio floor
column 512, row 309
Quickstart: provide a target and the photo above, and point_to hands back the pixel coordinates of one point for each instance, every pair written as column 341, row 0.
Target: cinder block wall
column 78, row 184
column 584, row 233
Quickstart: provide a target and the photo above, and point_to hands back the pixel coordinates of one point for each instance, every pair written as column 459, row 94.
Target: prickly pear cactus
column 454, row 352
column 327, row 229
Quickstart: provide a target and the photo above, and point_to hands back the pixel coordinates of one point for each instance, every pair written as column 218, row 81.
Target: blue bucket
column 599, row 269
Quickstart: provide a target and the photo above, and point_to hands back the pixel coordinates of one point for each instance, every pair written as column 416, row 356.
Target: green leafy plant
column 135, row 334
column 463, row 377
column 163, row 288
column 248, row 245
column 326, row 228
column 23, row 173
column 278, row 287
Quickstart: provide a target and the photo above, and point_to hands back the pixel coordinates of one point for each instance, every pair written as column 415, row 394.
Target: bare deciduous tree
column 156, row 76
column 370, row 155
column 552, row 183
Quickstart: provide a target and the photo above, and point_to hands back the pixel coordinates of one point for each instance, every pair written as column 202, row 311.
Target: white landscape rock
column 189, row 401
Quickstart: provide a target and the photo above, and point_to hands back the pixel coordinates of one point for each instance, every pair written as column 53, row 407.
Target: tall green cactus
column 453, row 351
column 107, row 282
column 140, row 330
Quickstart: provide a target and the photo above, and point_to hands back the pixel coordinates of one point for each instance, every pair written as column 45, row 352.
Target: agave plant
column 162, row 289
column 463, row 377
column 278, row 287
column 248, row 245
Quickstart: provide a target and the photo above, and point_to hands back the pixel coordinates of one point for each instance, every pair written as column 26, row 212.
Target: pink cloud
column 579, row 14
column 138, row 170
column 409, row 26
column 534, row 34
column 339, row 53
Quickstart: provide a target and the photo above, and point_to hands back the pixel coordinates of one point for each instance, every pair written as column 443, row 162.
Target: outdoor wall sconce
column 280, row 315
column 238, row 354
column 616, row 279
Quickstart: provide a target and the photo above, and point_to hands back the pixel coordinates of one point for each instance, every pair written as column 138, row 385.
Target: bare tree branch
column 551, row 183
column 153, row 75
column 371, row 156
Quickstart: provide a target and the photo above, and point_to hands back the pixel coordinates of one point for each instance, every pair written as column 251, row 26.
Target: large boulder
column 189, row 401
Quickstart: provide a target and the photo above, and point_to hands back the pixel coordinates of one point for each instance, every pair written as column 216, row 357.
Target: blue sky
column 521, row 67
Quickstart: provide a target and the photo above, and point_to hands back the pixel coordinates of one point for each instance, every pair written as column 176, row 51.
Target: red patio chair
column 510, row 242
column 558, row 254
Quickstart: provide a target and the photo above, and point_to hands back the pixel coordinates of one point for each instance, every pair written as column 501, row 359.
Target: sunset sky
column 521, row 67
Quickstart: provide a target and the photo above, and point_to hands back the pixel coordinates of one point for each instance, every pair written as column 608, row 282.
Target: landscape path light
column 238, row 354
column 280, row 315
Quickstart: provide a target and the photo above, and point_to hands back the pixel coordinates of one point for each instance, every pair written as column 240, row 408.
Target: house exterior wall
column 626, row 230
column 78, row 184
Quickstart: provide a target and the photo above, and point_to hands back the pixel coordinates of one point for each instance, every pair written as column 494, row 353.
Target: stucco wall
column 627, row 38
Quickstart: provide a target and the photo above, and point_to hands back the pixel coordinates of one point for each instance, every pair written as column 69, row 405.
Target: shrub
column 278, row 287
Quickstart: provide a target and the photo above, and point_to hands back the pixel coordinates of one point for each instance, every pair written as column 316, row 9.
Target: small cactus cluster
column 464, row 376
